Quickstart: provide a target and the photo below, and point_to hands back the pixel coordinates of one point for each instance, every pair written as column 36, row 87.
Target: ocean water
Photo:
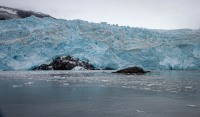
column 99, row 94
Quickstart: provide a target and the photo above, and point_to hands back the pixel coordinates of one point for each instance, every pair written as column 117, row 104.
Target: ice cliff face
column 26, row 43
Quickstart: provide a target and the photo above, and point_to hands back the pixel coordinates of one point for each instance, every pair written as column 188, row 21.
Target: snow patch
column 8, row 10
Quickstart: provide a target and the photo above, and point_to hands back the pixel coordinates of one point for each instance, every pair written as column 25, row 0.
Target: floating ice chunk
column 146, row 88
column 149, row 85
column 56, row 77
column 104, row 80
column 174, row 91
column 66, row 84
column 28, row 83
column 125, row 87
column 78, row 68
column 188, row 87
column 59, row 77
column 193, row 106
column 139, row 111
column 16, row 86
column 168, row 89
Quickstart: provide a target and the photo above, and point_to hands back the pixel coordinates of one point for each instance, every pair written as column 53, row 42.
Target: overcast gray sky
column 156, row 14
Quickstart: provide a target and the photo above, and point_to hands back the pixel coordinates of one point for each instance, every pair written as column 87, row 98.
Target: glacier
column 29, row 42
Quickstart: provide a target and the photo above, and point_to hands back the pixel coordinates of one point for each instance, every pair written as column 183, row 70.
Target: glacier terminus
column 30, row 42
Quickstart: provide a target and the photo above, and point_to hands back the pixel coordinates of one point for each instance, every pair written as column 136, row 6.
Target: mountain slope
column 29, row 42
column 10, row 13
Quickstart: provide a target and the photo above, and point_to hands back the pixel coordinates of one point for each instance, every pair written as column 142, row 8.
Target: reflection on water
column 99, row 93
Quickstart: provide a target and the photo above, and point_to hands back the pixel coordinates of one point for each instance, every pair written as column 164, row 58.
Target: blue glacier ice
column 26, row 43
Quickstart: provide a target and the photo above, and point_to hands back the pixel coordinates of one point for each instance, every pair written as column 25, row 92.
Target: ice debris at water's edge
column 26, row 43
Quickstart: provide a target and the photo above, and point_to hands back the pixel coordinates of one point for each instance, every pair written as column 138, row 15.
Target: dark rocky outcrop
column 18, row 13
column 65, row 63
column 2, row 18
column 132, row 70
column 24, row 14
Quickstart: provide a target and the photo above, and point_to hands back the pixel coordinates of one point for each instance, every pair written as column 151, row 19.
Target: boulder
column 132, row 70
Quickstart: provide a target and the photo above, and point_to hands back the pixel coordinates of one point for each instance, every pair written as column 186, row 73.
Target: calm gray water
column 99, row 94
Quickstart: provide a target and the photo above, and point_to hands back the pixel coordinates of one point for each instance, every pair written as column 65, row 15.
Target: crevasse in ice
column 26, row 43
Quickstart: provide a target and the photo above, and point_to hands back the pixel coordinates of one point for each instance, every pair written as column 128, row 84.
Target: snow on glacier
column 8, row 10
column 26, row 43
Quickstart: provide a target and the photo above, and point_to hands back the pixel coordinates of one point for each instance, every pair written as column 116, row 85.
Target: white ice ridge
column 26, row 43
